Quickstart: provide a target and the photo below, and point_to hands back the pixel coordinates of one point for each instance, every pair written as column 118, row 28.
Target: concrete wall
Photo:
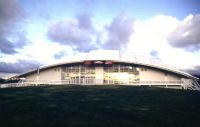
column 173, row 77
column 157, row 75
column 52, row 74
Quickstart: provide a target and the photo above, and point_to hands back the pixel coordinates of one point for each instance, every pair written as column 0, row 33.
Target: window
column 78, row 72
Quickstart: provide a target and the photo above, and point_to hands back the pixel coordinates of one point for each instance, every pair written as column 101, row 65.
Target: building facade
column 104, row 69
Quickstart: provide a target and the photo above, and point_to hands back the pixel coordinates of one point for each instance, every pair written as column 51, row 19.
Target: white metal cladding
column 118, row 56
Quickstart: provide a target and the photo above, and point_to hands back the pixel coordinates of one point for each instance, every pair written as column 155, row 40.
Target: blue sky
column 106, row 9
column 38, row 32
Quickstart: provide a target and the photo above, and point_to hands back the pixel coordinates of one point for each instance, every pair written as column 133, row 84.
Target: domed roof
column 118, row 56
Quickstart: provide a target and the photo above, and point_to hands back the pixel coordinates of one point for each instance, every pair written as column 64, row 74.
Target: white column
column 99, row 75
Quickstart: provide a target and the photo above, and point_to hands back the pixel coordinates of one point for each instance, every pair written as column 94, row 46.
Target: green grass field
column 98, row 106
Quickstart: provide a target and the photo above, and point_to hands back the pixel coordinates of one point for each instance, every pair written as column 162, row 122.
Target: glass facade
column 78, row 74
column 120, row 74
column 111, row 74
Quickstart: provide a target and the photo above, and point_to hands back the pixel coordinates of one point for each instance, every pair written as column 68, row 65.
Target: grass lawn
column 98, row 106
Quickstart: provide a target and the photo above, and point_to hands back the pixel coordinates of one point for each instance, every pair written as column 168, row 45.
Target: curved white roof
column 118, row 56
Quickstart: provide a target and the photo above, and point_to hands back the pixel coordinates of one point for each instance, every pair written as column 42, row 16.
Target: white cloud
column 146, row 38
column 118, row 32
column 151, row 35
column 79, row 34
column 43, row 50
column 186, row 34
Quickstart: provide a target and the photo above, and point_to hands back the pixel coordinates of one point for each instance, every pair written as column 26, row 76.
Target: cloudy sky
column 38, row 32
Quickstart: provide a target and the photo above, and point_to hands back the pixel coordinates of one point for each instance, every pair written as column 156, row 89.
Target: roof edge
column 119, row 61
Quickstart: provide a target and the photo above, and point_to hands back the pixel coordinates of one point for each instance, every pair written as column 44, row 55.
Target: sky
column 39, row 32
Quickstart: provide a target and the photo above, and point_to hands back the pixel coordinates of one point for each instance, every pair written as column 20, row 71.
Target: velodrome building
column 102, row 67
